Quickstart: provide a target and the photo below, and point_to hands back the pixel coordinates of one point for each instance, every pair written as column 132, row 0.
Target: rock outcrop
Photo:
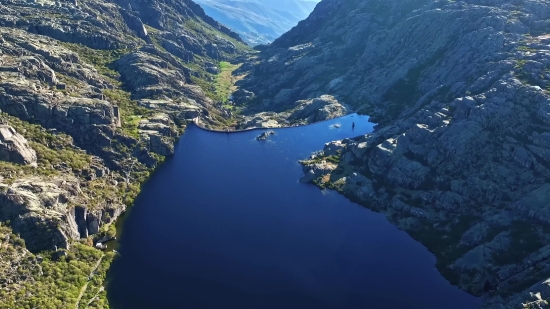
column 318, row 109
column 14, row 147
column 40, row 211
column 260, row 120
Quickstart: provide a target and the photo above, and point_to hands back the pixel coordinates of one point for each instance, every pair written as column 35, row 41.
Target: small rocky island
column 265, row 135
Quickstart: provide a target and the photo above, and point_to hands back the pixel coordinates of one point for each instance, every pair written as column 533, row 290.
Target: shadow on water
column 226, row 224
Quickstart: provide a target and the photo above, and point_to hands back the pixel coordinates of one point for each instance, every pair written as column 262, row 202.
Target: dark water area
column 225, row 223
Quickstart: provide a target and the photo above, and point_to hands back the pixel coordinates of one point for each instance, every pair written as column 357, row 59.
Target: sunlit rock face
column 461, row 157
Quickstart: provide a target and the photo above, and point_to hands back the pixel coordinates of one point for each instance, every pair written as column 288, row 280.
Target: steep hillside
column 258, row 21
column 461, row 156
column 93, row 95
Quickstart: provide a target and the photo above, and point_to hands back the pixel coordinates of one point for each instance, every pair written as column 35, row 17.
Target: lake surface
column 225, row 223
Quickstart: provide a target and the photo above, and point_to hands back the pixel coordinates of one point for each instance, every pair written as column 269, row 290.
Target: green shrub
column 48, row 283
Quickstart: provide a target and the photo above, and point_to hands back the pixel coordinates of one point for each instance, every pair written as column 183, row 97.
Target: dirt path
column 83, row 289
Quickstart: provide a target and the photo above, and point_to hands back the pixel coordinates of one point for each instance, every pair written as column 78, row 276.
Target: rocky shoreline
column 460, row 156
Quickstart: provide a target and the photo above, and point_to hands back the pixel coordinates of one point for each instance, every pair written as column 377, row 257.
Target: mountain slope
column 461, row 156
column 258, row 21
column 93, row 95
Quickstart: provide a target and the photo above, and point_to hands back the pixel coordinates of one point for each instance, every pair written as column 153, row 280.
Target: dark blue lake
column 226, row 224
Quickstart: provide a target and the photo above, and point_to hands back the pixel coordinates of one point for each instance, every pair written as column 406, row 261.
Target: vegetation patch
column 521, row 73
column 524, row 239
column 443, row 242
column 102, row 60
column 526, row 49
column 52, row 150
column 225, row 81
column 405, row 92
column 51, row 280
column 332, row 159
column 130, row 112
column 208, row 88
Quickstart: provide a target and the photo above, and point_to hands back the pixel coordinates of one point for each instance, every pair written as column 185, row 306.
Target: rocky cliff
column 93, row 95
column 461, row 156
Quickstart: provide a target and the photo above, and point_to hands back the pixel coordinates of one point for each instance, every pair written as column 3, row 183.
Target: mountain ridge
column 258, row 21
column 458, row 158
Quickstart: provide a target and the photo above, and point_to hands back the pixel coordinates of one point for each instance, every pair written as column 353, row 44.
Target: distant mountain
column 259, row 21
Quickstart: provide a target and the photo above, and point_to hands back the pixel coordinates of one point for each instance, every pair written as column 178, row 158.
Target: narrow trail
column 83, row 289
